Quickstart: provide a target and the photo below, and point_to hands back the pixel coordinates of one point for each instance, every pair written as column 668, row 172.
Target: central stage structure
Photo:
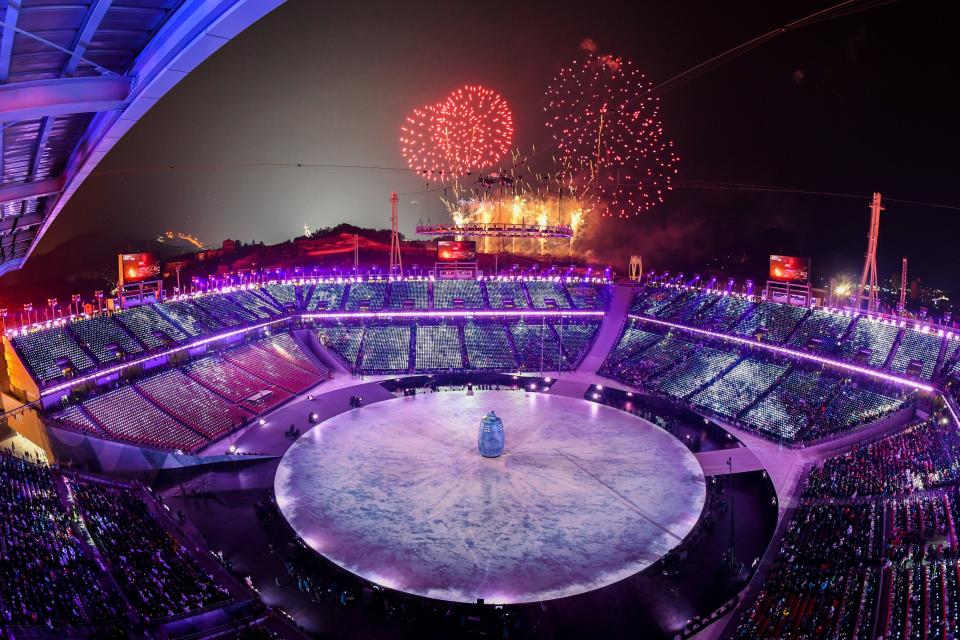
column 585, row 495
column 491, row 440
column 496, row 230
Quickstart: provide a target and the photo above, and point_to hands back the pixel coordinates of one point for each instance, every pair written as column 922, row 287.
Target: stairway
column 610, row 329
column 464, row 358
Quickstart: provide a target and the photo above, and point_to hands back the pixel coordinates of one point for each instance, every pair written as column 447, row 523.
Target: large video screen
column 790, row 269
column 456, row 251
column 138, row 267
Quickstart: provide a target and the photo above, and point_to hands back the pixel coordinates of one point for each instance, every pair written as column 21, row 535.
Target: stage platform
column 397, row 493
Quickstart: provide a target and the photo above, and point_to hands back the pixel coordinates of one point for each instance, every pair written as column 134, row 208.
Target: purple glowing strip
column 379, row 315
column 905, row 382
column 459, row 313
column 949, row 402
column 120, row 367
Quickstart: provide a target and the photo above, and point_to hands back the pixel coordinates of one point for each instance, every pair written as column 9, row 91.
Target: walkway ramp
column 308, row 340
column 714, row 463
column 609, row 329
column 569, row 388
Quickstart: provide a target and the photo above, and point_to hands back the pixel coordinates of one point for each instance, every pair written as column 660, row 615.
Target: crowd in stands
column 770, row 321
column 409, row 294
column 860, row 339
column 49, row 577
column 157, row 574
column 917, row 346
column 792, row 406
column 386, row 348
column 60, row 535
column 438, row 347
column 730, row 394
column 748, row 388
column 325, row 296
column 872, row 550
column 50, row 353
column 368, row 296
column 696, row 371
column 924, row 456
column 507, row 295
column 488, row 346
column 454, row 294
column 821, row 331
column 547, row 295
column 475, row 345
column 825, row 580
column 82, row 345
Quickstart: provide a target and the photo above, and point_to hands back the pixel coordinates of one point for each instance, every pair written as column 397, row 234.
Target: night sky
column 861, row 103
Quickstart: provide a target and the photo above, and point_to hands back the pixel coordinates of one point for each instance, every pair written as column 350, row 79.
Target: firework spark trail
column 610, row 144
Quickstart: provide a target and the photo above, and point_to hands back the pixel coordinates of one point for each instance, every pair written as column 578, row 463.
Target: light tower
column 903, row 287
column 396, row 261
column 870, row 264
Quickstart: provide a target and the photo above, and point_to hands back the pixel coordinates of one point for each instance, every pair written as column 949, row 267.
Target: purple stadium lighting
column 886, row 377
column 458, row 313
column 947, row 401
column 153, row 356
column 383, row 315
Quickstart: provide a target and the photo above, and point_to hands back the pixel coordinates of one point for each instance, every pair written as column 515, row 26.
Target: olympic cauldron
column 491, row 438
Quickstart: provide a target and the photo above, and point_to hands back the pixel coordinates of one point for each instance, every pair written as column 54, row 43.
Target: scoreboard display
column 138, row 267
column 456, row 251
column 791, row 269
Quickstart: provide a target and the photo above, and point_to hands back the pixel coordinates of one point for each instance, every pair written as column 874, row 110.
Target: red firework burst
column 470, row 129
column 607, row 129
column 419, row 144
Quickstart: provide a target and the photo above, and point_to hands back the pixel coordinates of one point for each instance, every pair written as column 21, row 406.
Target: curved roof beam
column 61, row 96
column 27, row 190
column 190, row 33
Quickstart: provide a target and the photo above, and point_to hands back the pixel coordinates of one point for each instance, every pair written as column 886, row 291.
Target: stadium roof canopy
column 75, row 75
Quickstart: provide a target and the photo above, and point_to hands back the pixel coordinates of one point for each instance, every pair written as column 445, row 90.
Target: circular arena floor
column 584, row 495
